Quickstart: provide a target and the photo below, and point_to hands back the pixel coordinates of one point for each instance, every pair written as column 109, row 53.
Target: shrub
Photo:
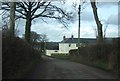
column 16, row 55
column 104, row 56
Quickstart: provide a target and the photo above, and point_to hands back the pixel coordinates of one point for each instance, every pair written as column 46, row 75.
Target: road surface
column 52, row 68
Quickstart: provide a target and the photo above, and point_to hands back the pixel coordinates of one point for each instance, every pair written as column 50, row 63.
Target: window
column 69, row 45
column 56, row 51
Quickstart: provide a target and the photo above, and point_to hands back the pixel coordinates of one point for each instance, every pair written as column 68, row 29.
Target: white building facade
column 69, row 44
column 64, row 48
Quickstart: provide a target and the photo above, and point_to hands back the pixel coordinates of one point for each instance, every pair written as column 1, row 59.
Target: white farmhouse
column 68, row 44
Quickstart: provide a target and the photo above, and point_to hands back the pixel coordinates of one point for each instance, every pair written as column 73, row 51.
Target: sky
column 107, row 12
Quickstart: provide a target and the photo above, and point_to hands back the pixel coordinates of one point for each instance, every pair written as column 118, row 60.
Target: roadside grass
column 60, row 56
column 98, row 64
column 103, row 56
column 101, row 64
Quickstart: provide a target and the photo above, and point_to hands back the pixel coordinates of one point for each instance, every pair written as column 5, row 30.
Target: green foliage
column 17, row 55
column 60, row 55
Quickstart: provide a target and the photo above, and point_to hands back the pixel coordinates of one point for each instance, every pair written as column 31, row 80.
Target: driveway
column 52, row 68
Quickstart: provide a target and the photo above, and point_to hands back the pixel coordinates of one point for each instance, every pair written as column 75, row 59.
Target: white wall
column 49, row 52
column 63, row 48
column 73, row 46
column 66, row 47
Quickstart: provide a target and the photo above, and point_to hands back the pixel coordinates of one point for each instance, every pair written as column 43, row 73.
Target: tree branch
column 59, row 10
column 45, row 8
column 34, row 4
column 20, row 16
column 40, row 15
column 26, row 4
column 44, row 21
column 19, row 11
column 22, row 6
column 38, row 6
column 5, row 6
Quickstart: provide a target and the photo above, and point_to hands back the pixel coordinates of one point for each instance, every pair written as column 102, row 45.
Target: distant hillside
column 52, row 45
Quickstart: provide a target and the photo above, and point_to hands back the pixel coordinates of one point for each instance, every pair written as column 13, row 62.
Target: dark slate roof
column 82, row 40
column 86, row 40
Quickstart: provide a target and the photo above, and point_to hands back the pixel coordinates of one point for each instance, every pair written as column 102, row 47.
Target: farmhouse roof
column 85, row 40
column 82, row 40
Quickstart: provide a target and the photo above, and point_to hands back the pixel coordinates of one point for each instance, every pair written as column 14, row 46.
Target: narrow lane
column 52, row 68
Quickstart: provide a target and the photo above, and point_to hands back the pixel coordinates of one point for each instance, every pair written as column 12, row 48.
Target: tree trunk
column 28, row 29
column 99, row 25
column 12, row 18
column 28, row 23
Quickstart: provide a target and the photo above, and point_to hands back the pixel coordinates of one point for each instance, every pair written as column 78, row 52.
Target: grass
column 101, row 64
column 60, row 56
column 101, row 56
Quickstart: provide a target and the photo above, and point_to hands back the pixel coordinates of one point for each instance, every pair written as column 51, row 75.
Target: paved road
column 51, row 68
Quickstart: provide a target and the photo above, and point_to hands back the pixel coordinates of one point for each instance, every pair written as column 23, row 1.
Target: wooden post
column 12, row 19
column 79, row 29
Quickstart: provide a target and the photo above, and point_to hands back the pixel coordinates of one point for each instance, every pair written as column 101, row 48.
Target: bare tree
column 44, row 41
column 105, row 26
column 32, row 10
column 35, row 37
column 99, row 25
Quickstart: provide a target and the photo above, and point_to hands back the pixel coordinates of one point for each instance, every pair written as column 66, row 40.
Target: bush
column 16, row 56
column 103, row 56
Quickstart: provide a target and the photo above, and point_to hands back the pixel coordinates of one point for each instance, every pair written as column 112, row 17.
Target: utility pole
column 12, row 18
column 79, row 28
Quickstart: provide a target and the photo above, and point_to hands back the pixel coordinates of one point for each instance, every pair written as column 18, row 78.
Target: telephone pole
column 79, row 28
column 12, row 18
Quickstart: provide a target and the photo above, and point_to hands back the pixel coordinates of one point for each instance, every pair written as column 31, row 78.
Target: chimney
column 72, row 36
column 64, row 37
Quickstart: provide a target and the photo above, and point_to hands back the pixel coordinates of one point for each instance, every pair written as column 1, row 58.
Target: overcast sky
column 107, row 12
